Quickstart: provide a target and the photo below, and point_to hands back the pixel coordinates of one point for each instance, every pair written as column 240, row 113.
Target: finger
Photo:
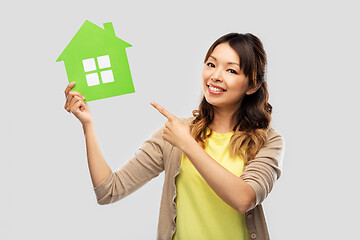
column 75, row 108
column 73, row 101
column 167, row 125
column 165, row 135
column 163, row 111
column 69, row 87
column 82, row 106
column 70, row 96
column 68, row 101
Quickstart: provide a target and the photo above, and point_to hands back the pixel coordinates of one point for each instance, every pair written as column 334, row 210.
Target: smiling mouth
column 215, row 89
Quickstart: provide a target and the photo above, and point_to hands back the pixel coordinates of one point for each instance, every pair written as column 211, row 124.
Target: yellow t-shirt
column 201, row 213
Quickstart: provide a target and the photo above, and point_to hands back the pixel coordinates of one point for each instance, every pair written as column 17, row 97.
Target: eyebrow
column 227, row 62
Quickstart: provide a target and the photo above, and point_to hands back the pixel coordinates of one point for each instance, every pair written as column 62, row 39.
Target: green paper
column 96, row 60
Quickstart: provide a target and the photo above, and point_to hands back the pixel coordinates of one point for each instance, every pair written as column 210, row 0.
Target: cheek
column 240, row 83
column 237, row 85
column 239, row 88
column 205, row 74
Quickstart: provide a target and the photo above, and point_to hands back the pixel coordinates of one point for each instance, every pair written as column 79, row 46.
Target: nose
column 217, row 76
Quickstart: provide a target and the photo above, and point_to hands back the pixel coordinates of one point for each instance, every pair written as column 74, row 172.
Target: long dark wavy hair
column 253, row 115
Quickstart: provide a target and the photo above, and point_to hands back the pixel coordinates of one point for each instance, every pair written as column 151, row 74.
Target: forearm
column 99, row 169
column 230, row 188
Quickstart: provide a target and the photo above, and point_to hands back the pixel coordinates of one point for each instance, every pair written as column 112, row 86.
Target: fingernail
column 83, row 97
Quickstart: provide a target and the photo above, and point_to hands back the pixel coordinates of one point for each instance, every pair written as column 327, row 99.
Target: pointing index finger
column 163, row 111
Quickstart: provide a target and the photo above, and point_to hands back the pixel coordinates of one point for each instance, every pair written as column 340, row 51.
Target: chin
column 211, row 102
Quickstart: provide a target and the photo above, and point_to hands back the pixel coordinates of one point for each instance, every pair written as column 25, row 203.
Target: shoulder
column 273, row 149
column 272, row 153
column 187, row 119
column 275, row 138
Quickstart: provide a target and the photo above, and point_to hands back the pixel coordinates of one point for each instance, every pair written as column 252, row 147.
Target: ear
column 253, row 89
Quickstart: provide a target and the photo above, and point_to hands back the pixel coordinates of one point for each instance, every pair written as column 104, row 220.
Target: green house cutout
column 96, row 60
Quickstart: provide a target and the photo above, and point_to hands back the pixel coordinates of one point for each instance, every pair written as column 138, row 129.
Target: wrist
column 188, row 145
column 87, row 125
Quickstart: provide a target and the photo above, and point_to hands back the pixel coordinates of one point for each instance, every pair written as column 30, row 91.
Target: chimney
column 109, row 28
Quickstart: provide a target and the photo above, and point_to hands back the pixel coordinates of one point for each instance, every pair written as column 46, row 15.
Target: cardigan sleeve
column 146, row 164
column 262, row 171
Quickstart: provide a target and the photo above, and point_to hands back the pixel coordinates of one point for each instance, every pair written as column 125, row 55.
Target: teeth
column 215, row 89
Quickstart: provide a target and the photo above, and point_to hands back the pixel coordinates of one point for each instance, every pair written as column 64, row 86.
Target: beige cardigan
column 156, row 155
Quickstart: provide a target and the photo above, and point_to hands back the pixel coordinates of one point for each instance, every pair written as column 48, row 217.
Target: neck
column 222, row 122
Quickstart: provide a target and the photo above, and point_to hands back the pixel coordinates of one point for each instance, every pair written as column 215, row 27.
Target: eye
column 210, row 64
column 232, row 71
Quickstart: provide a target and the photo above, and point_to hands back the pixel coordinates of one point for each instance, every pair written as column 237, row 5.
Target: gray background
column 313, row 53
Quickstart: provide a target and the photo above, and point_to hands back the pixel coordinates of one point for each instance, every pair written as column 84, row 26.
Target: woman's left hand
column 175, row 131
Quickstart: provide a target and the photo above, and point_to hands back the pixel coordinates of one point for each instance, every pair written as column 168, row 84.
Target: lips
column 216, row 87
column 215, row 91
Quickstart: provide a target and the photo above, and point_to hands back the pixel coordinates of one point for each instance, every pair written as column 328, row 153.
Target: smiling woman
column 220, row 164
column 236, row 63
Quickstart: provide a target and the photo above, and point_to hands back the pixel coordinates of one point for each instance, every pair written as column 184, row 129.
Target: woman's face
column 224, row 85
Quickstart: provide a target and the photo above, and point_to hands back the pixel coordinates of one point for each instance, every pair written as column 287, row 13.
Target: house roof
column 90, row 29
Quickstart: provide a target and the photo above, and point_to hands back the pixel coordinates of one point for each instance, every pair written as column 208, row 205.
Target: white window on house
column 98, row 70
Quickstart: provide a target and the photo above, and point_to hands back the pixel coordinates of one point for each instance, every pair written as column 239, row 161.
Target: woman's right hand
column 75, row 104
